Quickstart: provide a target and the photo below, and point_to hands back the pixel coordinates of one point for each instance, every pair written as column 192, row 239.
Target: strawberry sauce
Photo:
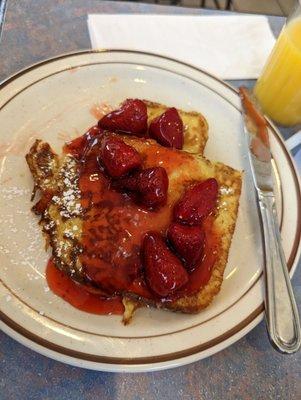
column 79, row 296
column 198, row 278
column 114, row 225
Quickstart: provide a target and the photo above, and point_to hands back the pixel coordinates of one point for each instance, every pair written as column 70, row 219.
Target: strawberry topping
column 130, row 118
column 167, row 129
column 153, row 186
column 78, row 146
column 164, row 272
column 188, row 242
column 150, row 185
column 118, row 157
column 197, row 202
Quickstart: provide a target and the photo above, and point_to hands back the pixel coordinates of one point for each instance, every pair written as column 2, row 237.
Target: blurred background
column 272, row 7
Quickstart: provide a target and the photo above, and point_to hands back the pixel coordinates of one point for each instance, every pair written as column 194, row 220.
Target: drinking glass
column 278, row 89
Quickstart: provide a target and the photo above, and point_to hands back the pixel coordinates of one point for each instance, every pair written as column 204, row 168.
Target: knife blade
column 258, row 143
column 280, row 306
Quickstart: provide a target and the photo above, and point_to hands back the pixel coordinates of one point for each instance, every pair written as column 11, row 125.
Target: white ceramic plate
column 53, row 101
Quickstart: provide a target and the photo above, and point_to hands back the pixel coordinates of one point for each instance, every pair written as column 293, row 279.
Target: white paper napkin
column 231, row 47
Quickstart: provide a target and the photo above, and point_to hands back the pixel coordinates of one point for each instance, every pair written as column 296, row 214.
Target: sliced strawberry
column 197, row 202
column 152, row 186
column 118, row 157
column 164, row 272
column 78, row 146
column 167, row 129
column 128, row 182
column 188, row 242
column 130, row 118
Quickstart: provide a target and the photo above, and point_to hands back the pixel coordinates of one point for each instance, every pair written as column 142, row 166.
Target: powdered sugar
column 224, row 190
column 69, row 199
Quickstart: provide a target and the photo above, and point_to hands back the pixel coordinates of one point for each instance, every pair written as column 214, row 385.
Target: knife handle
column 281, row 310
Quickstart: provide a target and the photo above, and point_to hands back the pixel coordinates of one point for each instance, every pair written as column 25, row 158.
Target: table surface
column 249, row 369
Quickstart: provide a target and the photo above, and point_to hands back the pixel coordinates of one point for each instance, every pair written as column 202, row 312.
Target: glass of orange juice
column 278, row 89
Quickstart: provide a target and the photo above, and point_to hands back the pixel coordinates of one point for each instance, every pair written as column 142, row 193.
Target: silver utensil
column 280, row 306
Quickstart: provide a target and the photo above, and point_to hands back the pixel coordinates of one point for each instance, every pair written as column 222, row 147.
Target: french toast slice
column 59, row 205
column 195, row 126
column 197, row 168
column 62, row 216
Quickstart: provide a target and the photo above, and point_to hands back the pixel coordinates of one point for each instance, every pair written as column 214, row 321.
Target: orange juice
column 278, row 89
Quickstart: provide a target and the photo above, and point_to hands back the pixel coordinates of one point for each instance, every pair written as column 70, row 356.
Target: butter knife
column 282, row 316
